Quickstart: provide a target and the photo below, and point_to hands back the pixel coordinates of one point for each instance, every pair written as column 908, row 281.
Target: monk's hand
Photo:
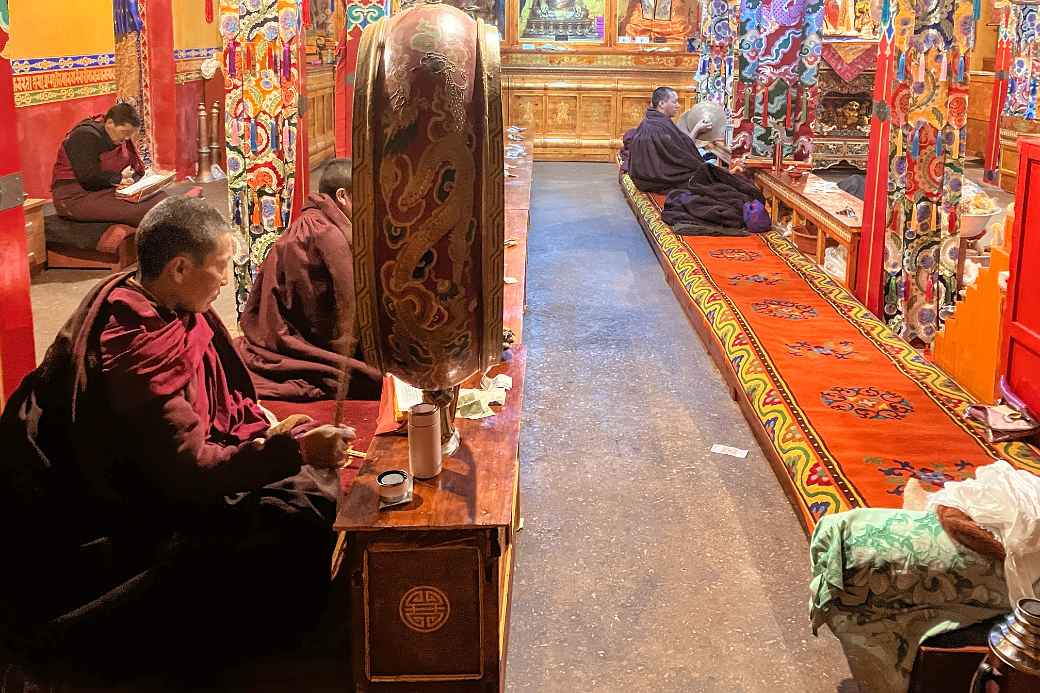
column 326, row 446
column 127, row 176
column 702, row 127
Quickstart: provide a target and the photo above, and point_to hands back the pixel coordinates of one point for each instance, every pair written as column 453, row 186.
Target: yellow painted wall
column 67, row 27
column 190, row 29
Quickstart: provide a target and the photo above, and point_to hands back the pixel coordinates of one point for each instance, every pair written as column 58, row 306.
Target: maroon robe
column 298, row 331
column 95, row 199
column 139, row 498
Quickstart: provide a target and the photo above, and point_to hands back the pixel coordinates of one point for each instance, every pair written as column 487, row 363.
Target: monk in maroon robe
column 298, row 326
column 148, row 508
column 95, row 158
column 702, row 199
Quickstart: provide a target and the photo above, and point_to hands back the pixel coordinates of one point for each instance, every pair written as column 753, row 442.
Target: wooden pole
column 204, row 174
column 216, row 145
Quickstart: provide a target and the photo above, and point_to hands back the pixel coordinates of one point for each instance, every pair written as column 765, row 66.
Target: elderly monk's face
column 198, row 285
column 669, row 106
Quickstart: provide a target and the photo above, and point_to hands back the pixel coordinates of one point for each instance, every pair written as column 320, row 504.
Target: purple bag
column 756, row 218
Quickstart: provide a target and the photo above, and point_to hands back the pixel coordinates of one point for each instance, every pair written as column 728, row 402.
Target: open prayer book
column 151, row 183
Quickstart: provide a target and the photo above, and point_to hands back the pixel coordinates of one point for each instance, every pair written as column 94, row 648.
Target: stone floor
column 647, row 562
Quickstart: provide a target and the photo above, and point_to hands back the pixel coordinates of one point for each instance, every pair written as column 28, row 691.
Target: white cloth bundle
column 1005, row 501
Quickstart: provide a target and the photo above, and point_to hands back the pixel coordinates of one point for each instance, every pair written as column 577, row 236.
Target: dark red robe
column 134, row 485
column 86, row 172
column 702, row 199
column 298, row 324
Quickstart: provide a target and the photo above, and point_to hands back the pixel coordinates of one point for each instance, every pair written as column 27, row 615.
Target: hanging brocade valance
column 261, row 77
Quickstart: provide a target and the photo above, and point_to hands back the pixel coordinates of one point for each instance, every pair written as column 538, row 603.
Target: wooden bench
column 819, row 210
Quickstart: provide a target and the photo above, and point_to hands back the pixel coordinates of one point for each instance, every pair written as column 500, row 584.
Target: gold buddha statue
column 560, row 19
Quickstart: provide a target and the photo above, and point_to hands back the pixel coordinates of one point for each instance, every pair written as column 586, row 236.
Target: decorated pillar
column 262, row 50
column 131, row 70
column 145, row 74
column 774, row 94
column 871, row 271
column 17, row 353
column 359, row 14
column 928, row 69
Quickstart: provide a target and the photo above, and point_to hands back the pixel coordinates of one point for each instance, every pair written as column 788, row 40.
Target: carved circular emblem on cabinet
column 424, row 609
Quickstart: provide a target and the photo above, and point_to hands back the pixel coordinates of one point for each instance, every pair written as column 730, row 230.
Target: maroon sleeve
column 177, row 451
column 188, row 467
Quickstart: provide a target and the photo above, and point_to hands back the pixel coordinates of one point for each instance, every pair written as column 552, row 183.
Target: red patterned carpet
column 845, row 410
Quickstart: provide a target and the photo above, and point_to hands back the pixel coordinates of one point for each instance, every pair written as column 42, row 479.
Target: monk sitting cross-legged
column 299, row 338
column 95, row 158
column 702, row 199
column 148, row 506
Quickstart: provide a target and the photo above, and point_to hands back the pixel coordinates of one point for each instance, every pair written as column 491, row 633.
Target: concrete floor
column 647, row 563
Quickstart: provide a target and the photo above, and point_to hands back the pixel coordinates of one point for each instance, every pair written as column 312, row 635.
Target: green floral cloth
column 886, row 580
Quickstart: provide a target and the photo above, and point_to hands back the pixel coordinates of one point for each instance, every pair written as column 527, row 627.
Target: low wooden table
column 819, row 209
column 430, row 581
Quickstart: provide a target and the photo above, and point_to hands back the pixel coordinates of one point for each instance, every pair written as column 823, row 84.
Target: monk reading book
column 299, row 339
column 153, row 511
column 95, row 159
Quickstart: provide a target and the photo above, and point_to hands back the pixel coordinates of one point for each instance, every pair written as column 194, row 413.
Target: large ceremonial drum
column 428, row 196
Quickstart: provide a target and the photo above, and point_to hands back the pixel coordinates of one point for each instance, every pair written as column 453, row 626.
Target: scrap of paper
column 727, row 450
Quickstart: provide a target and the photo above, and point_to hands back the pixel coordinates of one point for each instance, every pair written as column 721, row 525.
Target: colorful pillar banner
column 1021, row 35
column 132, row 73
column 715, row 71
column 358, row 16
column 928, row 112
column 262, row 47
column 775, row 94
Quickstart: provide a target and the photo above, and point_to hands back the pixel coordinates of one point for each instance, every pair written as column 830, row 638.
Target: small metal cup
column 394, row 485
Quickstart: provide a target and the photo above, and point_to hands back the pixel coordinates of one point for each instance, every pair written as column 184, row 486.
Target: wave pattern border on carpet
column 794, row 446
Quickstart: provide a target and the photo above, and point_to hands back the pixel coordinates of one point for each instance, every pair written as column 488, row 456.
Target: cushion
column 84, row 235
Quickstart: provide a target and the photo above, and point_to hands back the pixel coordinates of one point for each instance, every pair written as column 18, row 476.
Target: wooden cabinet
column 1021, row 348
column 980, row 94
column 37, row 240
column 577, row 106
column 431, row 581
column 1011, row 128
column 321, row 113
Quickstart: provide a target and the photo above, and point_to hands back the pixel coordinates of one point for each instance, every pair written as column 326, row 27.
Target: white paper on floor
column 727, row 450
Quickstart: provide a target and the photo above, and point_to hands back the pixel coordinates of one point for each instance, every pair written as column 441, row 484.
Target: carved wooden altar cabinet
column 842, row 126
column 430, row 582
column 579, row 73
